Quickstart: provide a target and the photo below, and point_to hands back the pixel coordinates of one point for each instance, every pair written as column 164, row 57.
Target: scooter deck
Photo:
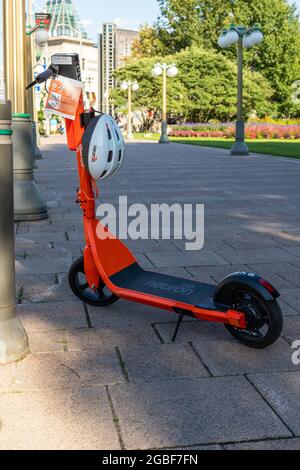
column 119, row 269
column 135, row 278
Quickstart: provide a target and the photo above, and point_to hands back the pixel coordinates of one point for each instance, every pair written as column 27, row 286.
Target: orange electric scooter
column 244, row 302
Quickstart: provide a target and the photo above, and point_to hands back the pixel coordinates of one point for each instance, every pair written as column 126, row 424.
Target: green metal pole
column 240, row 147
column 164, row 139
column 13, row 339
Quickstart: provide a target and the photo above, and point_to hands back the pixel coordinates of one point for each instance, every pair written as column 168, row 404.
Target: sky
column 128, row 14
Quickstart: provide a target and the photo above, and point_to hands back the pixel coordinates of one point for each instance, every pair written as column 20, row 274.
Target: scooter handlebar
column 32, row 84
column 44, row 76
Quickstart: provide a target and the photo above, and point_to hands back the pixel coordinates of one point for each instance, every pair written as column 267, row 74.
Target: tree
column 204, row 90
column 148, row 99
column 147, row 44
column 278, row 57
column 209, row 80
column 199, row 22
column 191, row 22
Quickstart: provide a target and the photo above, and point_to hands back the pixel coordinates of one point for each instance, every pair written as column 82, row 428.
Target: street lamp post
column 90, row 80
column 41, row 38
column 244, row 37
column 130, row 87
column 166, row 71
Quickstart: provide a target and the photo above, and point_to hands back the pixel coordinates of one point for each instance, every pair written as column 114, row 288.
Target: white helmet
column 103, row 147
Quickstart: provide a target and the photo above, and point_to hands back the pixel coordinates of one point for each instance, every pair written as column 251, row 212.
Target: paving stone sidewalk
column 111, row 378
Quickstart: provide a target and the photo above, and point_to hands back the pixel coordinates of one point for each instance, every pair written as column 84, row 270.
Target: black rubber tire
column 82, row 291
column 275, row 323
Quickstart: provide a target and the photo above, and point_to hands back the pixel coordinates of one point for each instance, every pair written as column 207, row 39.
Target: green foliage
column 148, row 99
column 191, row 22
column 41, row 114
column 204, row 90
column 147, row 44
column 187, row 23
column 282, row 148
column 278, row 57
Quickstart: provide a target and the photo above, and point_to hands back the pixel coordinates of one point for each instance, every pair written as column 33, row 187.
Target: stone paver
column 217, row 272
column 292, row 298
column 53, row 315
column 205, row 258
column 56, row 420
column 278, row 444
column 286, row 309
column 191, row 412
column 127, row 313
column 124, row 337
column 47, row 341
column 264, row 269
column 43, row 265
column 251, row 241
column 59, row 292
column 34, row 239
column 62, row 370
column 202, row 448
column 97, row 372
column 294, row 250
column 282, row 392
column 31, row 286
column 291, row 328
column 224, row 357
column 257, row 255
column 292, row 278
column 162, row 362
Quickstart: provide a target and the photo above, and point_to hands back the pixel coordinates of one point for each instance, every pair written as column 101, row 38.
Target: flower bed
column 227, row 131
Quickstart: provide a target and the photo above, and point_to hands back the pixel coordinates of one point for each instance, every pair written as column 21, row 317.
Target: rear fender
column 246, row 281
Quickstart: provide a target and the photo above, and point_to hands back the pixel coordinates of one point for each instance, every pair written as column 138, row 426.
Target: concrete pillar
column 35, row 148
column 29, row 203
column 13, row 339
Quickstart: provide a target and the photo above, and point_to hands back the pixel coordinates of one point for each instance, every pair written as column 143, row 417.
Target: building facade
column 114, row 48
column 124, row 41
column 67, row 35
column 64, row 19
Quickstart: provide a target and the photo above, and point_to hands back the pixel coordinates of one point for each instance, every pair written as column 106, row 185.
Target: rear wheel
column 101, row 297
column 264, row 320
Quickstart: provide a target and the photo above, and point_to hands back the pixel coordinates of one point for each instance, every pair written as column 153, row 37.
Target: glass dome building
column 65, row 20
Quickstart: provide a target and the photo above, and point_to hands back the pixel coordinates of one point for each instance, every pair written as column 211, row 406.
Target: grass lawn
column 281, row 148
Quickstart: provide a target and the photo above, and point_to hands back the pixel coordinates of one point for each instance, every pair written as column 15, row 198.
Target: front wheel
column 264, row 320
column 101, row 297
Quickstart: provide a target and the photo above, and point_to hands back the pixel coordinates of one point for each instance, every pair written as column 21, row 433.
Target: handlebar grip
column 44, row 76
column 32, row 84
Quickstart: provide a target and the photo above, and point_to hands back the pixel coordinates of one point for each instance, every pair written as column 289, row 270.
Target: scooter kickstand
column 179, row 321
